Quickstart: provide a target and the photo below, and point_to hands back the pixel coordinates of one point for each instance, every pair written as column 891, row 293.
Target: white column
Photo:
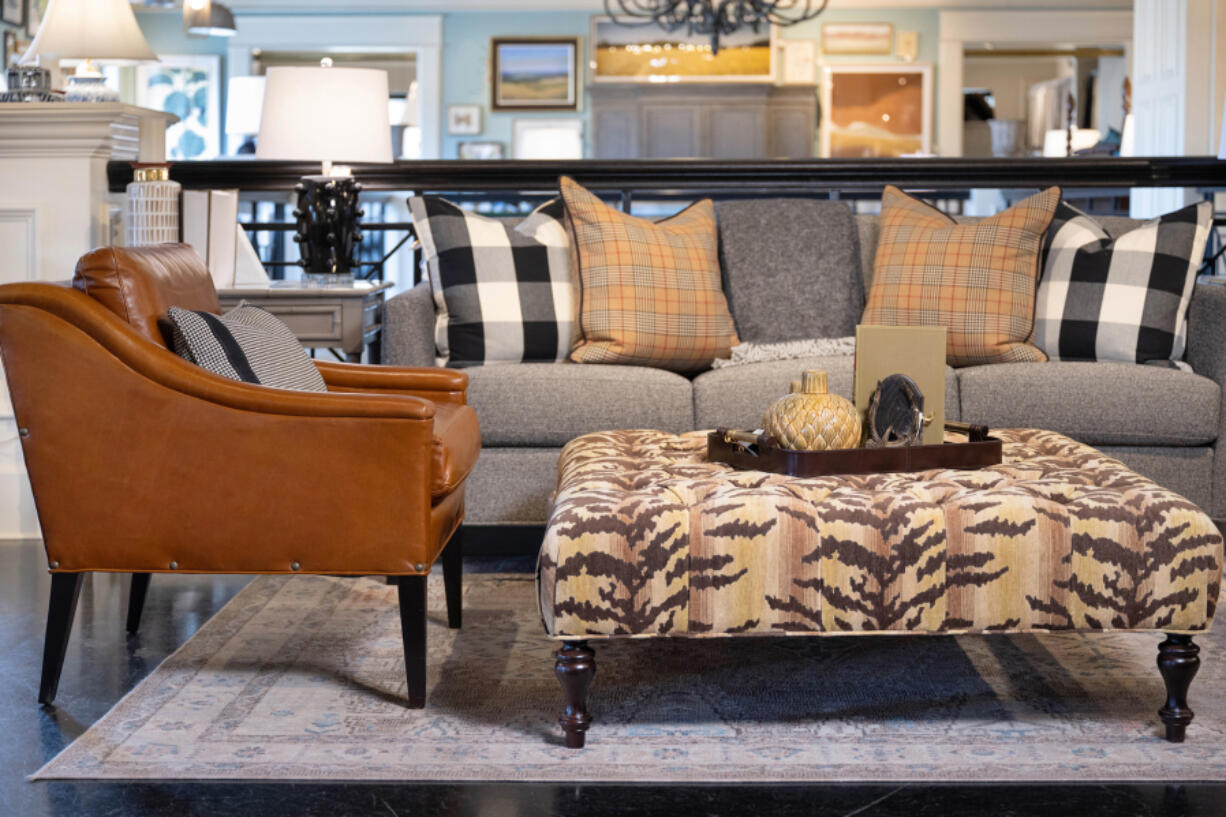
column 53, row 209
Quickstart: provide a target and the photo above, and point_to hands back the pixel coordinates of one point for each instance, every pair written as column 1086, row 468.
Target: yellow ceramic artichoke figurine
column 813, row 420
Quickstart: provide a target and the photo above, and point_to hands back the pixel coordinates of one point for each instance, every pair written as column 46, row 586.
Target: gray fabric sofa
column 796, row 269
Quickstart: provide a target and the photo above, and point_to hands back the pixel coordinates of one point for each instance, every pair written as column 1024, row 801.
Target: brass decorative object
column 812, row 419
column 895, row 413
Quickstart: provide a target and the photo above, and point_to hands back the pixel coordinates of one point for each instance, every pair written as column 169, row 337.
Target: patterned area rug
column 302, row 679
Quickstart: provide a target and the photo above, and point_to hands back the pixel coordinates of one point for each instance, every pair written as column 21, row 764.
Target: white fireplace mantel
column 55, row 207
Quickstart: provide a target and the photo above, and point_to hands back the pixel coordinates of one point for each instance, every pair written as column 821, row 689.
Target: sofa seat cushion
column 1096, row 403
column 738, row 396
column 552, row 403
column 456, row 446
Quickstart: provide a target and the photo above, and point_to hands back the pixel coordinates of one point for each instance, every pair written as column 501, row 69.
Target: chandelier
column 713, row 18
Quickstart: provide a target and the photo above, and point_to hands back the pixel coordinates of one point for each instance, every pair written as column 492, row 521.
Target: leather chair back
column 140, row 284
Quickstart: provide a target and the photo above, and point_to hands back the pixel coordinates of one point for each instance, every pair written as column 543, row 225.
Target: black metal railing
column 511, row 186
column 716, row 178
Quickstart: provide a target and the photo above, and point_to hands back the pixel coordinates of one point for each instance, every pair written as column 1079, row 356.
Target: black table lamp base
column 328, row 228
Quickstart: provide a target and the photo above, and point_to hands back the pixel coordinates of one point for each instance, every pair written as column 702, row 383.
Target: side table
column 348, row 318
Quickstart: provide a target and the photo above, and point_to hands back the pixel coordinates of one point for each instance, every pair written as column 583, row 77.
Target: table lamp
column 244, row 103
column 326, row 115
column 90, row 30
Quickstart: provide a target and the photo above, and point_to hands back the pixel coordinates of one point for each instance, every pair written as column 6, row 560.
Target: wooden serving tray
column 745, row 452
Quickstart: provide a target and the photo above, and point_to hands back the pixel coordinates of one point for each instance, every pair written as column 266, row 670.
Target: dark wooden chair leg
column 453, row 579
column 65, row 590
column 575, row 666
column 136, row 600
column 412, row 590
column 1178, row 661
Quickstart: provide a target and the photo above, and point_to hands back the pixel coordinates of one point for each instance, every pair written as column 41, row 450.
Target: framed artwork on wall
column 539, row 74
column 857, row 38
column 188, row 86
column 13, row 12
column 547, row 139
column 35, row 11
column 481, row 150
column 651, row 54
column 10, row 48
column 871, row 111
column 463, row 120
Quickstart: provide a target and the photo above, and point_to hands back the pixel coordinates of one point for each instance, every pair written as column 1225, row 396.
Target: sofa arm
column 408, row 328
column 1207, row 331
column 1207, row 356
column 432, row 383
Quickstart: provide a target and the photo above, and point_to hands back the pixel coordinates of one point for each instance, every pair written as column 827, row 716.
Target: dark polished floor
column 103, row 664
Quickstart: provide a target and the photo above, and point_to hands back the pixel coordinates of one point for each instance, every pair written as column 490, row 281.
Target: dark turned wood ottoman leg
column 1178, row 661
column 575, row 666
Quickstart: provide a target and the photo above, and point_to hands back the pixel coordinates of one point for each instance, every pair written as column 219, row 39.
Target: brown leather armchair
column 143, row 463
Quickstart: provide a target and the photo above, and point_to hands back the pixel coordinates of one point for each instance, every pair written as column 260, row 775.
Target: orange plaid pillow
column 649, row 292
column 977, row 280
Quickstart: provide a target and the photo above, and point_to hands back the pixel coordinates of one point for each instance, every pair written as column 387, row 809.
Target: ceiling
column 597, row 6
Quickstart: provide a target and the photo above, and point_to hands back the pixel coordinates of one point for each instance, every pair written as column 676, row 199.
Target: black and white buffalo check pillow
column 502, row 292
column 247, row 343
column 1123, row 299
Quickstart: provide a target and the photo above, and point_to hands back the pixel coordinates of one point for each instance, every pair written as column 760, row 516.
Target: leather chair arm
column 435, row 384
column 169, row 370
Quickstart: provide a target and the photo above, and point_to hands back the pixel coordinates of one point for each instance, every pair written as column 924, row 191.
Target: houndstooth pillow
column 247, row 343
column 502, row 292
column 1124, row 299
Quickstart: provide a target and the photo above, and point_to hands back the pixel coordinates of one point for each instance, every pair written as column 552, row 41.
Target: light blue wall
column 466, row 53
column 466, row 57
column 466, row 66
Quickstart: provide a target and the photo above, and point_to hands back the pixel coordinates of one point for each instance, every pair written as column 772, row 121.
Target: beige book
column 916, row 351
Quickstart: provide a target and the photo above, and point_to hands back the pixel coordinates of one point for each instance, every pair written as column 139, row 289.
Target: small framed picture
column 10, row 54
column 13, row 12
column 481, row 150
column 535, row 74
column 857, row 38
column 463, row 120
column 547, row 139
column 35, row 11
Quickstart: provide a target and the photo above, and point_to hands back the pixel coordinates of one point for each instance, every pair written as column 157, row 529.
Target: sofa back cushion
column 791, row 268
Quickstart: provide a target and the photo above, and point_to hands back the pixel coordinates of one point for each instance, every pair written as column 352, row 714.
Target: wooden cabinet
column 735, row 121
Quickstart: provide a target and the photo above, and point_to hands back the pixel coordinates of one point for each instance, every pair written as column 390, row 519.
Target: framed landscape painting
column 875, row 111
column 857, row 38
column 539, row 74
column 623, row 53
column 188, row 86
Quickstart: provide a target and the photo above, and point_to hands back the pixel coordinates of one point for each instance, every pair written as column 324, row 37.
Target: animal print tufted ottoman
column 648, row 539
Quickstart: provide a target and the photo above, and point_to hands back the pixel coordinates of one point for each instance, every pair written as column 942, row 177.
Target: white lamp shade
column 325, row 115
column 91, row 29
column 244, row 103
